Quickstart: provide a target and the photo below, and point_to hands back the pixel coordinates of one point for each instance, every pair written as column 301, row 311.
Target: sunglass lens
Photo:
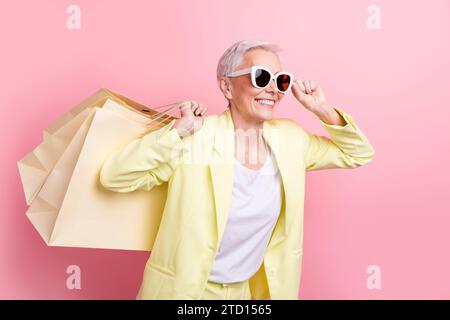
column 262, row 78
column 283, row 82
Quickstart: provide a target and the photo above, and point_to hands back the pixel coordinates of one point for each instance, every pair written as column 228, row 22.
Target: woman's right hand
column 191, row 119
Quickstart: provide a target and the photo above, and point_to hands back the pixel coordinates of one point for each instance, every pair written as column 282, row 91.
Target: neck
column 240, row 121
column 250, row 146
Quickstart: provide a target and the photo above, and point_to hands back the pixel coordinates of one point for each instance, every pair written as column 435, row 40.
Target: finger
column 296, row 87
column 302, row 87
column 203, row 110
column 299, row 90
column 196, row 110
column 307, row 86
column 194, row 105
column 312, row 83
column 185, row 108
column 199, row 109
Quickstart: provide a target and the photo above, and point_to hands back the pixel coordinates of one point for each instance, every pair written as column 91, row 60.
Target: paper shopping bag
column 73, row 209
column 96, row 100
column 36, row 166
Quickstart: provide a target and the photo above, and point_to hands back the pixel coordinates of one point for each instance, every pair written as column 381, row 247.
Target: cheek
column 247, row 96
column 246, row 89
column 251, row 92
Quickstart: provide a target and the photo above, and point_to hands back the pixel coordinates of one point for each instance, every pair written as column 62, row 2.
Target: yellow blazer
column 199, row 173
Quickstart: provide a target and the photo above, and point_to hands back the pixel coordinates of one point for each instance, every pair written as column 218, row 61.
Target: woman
column 233, row 219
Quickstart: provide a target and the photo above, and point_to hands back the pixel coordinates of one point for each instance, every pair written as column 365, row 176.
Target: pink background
column 392, row 213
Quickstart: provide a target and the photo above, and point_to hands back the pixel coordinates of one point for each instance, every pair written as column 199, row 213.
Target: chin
column 264, row 112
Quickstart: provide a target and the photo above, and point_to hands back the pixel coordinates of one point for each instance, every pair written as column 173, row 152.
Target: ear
column 225, row 87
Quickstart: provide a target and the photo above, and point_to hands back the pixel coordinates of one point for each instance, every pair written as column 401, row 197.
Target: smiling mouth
column 265, row 103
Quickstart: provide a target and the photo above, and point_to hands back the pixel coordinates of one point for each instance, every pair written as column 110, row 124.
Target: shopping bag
column 73, row 209
column 97, row 99
column 36, row 166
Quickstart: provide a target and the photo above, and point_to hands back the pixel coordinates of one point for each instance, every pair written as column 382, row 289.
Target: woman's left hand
column 310, row 95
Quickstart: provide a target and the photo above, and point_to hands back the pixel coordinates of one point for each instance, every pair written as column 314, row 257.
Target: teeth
column 267, row 102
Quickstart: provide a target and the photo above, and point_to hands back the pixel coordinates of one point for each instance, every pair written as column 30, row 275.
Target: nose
column 272, row 86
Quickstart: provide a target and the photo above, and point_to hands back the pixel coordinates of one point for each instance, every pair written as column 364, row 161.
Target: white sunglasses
column 261, row 77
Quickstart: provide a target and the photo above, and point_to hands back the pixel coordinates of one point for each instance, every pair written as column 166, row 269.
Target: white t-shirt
column 255, row 206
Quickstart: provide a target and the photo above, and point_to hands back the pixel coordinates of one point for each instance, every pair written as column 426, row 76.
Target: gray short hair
column 234, row 55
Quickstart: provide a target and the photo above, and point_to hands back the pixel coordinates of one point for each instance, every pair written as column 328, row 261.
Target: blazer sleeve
column 144, row 162
column 347, row 146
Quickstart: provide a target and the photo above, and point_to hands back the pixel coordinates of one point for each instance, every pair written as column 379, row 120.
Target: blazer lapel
column 273, row 136
column 221, row 169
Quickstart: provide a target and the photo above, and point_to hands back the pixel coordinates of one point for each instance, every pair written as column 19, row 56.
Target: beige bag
column 36, row 166
column 71, row 208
